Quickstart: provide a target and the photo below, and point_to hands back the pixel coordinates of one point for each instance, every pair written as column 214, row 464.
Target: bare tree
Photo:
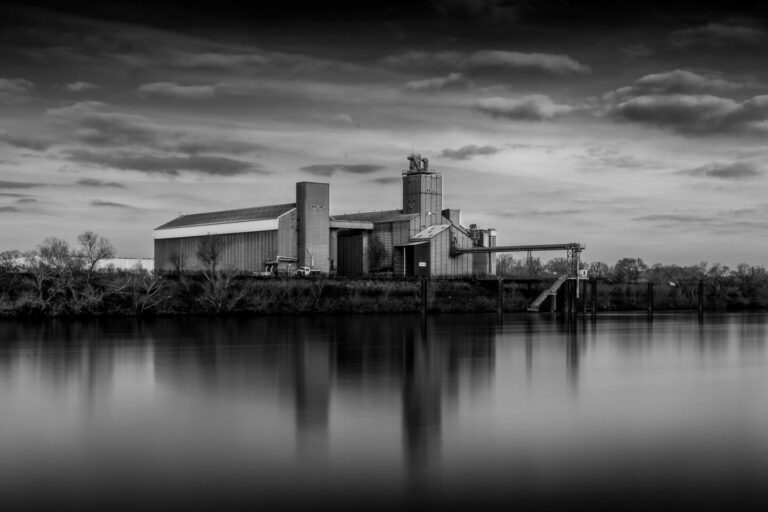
column 145, row 290
column 93, row 249
column 178, row 261
column 218, row 291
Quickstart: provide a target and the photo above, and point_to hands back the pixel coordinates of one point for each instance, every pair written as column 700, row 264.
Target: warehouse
column 418, row 240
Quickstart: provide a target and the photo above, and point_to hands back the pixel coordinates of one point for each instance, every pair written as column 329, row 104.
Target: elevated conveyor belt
column 552, row 290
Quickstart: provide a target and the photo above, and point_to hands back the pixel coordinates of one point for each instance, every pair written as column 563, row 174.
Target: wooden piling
column 701, row 299
column 649, row 298
column 593, row 296
column 583, row 284
column 424, row 296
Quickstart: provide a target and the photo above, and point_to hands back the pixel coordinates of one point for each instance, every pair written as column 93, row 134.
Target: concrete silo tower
column 423, row 191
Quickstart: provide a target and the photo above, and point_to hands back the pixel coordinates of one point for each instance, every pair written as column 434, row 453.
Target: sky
column 639, row 132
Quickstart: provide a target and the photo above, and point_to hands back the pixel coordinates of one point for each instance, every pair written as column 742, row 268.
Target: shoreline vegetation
column 57, row 280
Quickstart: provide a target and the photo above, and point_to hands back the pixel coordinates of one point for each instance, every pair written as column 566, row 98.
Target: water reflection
column 395, row 407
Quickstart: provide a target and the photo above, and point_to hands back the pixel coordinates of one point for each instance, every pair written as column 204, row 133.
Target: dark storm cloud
column 718, row 35
column 469, row 151
column 165, row 164
column 327, row 170
column 93, row 182
column 732, row 171
column 536, row 107
column 453, row 80
column 697, row 114
column 18, row 184
column 25, row 142
column 110, row 204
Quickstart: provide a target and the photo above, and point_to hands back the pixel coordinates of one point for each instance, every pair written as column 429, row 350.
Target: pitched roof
column 430, row 232
column 228, row 216
column 383, row 216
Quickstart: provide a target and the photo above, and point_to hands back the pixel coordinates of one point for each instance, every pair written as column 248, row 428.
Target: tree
column 9, row 261
column 209, row 251
column 218, row 291
column 93, row 249
column 599, row 270
column 629, row 269
column 558, row 266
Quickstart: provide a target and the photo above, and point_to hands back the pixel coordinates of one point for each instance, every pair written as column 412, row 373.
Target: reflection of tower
column 572, row 354
column 312, row 391
column 421, row 403
column 423, row 191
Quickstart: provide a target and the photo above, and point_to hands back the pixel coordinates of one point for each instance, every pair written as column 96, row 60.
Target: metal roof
column 430, row 232
column 227, row 216
column 383, row 216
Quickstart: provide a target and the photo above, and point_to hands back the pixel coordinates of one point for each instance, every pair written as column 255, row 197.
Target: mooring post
column 424, row 290
column 583, row 296
column 575, row 298
column 593, row 294
column 701, row 299
column 649, row 297
column 500, row 300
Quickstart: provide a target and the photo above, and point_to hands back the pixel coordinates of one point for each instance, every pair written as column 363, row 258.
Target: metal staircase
column 552, row 290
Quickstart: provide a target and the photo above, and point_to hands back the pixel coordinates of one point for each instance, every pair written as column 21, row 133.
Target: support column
column 594, row 298
column 424, row 295
column 701, row 299
column 583, row 284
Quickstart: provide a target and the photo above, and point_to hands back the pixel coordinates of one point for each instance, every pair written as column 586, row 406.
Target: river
column 385, row 411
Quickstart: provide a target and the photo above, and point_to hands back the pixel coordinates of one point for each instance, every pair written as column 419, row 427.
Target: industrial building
column 420, row 239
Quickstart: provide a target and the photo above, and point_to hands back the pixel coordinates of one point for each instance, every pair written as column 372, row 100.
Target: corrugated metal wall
column 442, row 263
column 287, row 242
column 353, row 254
column 245, row 252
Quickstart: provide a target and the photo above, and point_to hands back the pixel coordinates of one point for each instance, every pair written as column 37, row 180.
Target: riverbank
column 141, row 293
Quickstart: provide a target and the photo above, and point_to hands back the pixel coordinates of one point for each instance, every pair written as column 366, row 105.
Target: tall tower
column 312, row 224
column 423, row 191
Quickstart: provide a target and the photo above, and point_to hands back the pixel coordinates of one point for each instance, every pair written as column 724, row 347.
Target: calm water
column 385, row 411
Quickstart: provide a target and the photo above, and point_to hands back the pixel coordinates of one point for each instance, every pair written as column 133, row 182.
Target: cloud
column 26, row 200
column 93, row 182
column 95, row 125
column 169, row 165
column 487, row 59
column 92, row 122
column 536, row 107
column 469, row 151
column 18, row 184
column 327, row 170
column 673, row 218
column 386, row 180
column 425, row 60
column 218, row 60
column 678, row 81
column 25, row 142
column 110, row 204
column 547, row 62
column 732, row 171
column 81, row 87
column 435, row 84
column 718, row 35
column 697, row 114
column 637, row 50
column 174, row 90
column 9, row 209
column 14, row 89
